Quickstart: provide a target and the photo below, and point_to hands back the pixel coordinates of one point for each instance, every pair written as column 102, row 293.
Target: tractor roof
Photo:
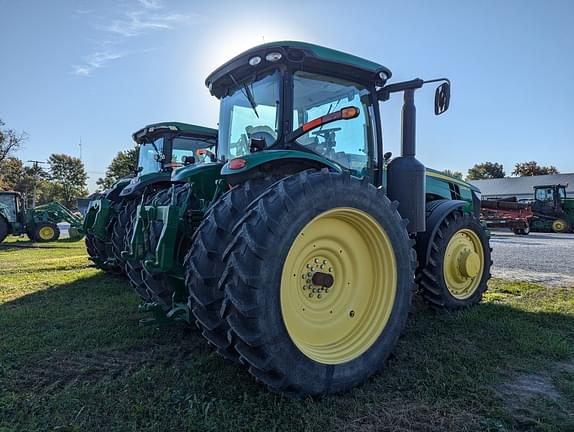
column 551, row 186
column 156, row 129
column 297, row 55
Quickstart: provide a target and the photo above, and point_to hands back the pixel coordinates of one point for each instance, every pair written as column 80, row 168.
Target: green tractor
column 552, row 210
column 162, row 147
column 297, row 251
column 40, row 223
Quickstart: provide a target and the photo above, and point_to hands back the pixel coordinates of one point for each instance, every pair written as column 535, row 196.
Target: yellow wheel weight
column 338, row 285
column 463, row 264
column 46, row 233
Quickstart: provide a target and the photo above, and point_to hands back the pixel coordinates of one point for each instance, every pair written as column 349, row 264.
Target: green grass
column 73, row 358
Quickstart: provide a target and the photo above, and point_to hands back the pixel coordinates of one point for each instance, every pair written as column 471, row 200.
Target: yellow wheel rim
column 463, row 264
column 46, row 233
column 558, row 225
column 338, row 285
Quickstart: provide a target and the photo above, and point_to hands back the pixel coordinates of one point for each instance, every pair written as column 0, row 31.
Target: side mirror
column 387, row 156
column 441, row 98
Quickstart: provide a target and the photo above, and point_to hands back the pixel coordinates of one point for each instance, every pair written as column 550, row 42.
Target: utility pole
column 36, row 169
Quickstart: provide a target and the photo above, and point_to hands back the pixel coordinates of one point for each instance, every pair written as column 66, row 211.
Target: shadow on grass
column 29, row 244
column 74, row 356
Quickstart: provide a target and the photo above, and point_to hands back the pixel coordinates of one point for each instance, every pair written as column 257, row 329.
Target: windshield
column 346, row 142
column 251, row 110
column 187, row 146
column 7, row 202
column 148, row 155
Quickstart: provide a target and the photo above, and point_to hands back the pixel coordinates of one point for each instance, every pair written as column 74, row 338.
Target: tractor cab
column 293, row 97
column 283, row 95
column 12, row 207
column 548, row 199
column 167, row 146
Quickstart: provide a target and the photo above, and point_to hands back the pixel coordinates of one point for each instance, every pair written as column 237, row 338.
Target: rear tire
column 3, row 229
column 120, row 231
column 204, row 263
column 560, row 226
column 302, row 344
column 448, row 280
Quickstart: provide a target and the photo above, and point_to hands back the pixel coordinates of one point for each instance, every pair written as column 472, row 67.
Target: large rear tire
column 3, row 229
column 458, row 270
column 120, row 231
column 560, row 226
column 318, row 283
column 204, row 263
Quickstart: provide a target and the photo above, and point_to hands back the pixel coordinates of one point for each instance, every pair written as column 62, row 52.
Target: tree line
column 492, row 170
column 63, row 178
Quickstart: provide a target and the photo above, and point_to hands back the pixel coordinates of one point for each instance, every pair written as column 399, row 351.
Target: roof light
column 383, row 76
column 236, row 164
column 273, row 56
column 254, row 61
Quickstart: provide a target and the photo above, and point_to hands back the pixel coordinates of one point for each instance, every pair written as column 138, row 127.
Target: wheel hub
column 463, row 263
column 338, row 285
column 317, row 277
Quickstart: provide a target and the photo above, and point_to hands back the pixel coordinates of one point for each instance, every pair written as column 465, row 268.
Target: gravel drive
column 545, row 258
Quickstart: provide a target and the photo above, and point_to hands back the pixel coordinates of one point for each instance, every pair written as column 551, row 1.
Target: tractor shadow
column 29, row 244
column 85, row 336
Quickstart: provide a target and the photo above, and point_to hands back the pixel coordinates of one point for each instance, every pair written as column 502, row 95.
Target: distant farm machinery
column 40, row 223
column 549, row 211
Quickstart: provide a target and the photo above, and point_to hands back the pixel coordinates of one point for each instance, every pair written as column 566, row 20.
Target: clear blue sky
column 101, row 70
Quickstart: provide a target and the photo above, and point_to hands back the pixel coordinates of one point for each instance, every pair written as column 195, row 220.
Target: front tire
column 46, row 232
column 303, row 329
column 458, row 270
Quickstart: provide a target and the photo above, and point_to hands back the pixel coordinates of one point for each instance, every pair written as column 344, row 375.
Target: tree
column 10, row 141
column 486, row 170
column 532, row 168
column 123, row 165
column 455, row 174
column 20, row 178
column 68, row 179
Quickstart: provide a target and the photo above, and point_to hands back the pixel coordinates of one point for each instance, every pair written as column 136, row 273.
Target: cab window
column 346, row 142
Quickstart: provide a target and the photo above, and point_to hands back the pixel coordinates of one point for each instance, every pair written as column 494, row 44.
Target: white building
column 522, row 187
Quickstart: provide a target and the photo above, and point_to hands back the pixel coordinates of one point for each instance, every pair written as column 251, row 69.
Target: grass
column 73, row 358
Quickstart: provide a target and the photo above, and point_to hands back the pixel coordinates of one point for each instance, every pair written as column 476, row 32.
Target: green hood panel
column 191, row 172
column 255, row 159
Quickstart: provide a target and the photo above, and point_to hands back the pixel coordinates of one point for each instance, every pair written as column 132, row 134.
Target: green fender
column 260, row 158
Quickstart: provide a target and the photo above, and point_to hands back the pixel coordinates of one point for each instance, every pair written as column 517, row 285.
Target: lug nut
column 330, row 269
column 316, row 261
column 324, row 261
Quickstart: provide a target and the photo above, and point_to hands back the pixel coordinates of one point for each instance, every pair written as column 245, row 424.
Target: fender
column 137, row 185
column 436, row 212
column 265, row 159
column 114, row 192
